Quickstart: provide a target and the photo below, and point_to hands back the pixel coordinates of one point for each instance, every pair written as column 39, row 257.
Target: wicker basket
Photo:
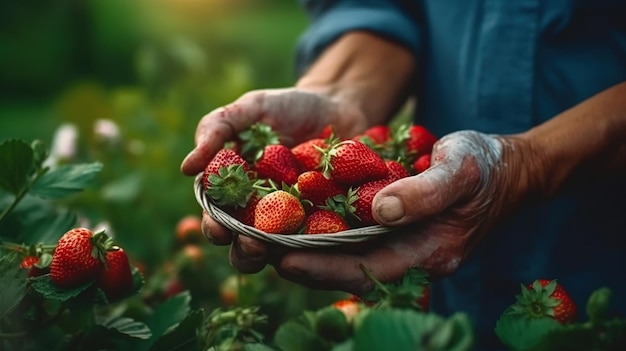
column 291, row 240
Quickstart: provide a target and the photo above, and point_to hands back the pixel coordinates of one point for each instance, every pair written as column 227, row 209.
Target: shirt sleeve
column 392, row 19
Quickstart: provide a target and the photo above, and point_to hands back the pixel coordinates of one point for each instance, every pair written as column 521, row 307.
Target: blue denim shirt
column 501, row 66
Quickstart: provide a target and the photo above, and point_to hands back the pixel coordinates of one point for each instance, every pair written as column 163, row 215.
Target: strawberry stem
column 378, row 284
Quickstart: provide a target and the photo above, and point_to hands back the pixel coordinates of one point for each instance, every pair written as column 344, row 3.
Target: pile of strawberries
column 323, row 185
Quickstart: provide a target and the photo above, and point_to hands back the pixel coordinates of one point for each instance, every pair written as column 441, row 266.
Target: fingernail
column 390, row 209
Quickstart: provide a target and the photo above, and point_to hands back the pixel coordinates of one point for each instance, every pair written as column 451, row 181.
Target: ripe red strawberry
column 315, row 187
column 223, row 158
column 420, row 140
column 325, row 221
column 116, row 279
column 279, row 164
column 396, row 170
column 29, row 262
column 309, row 157
column 78, row 258
column 245, row 214
column 421, row 164
column 351, row 162
column 364, row 197
column 326, row 132
column 543, row 298
column 376, row 135
column 279, row 212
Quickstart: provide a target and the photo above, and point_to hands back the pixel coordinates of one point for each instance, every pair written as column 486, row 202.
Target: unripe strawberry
column 116, row 279
column 78, row 258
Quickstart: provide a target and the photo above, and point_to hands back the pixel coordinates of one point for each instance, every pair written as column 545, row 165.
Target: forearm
column 371, row 73
column 586, row 142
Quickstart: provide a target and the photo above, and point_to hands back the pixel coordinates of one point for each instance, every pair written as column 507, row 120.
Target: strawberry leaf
column 411, row 330
column 521, row 332
column 13, row 283
column 48, row 290
column 167, row 315
column 183, row 336
column 65, row 180
column 298, row 335
column 16, row 161
column 125, row 325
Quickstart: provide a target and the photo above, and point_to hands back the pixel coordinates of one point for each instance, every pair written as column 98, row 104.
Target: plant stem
column 17, row 200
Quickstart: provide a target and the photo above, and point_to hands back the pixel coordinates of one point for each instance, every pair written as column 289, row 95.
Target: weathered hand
column 474, row 181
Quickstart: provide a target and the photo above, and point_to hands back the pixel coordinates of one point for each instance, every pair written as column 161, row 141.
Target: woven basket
column 291, row 240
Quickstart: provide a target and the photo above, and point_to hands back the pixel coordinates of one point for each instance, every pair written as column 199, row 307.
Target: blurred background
column 124, row 83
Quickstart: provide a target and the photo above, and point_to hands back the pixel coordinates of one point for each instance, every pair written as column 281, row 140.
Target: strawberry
column 30, row 263
column 308, row 155
column 349, row 307
column 245, row 214
column 420, row 141
column 116, row 279
column 421, row 164
column 223, row 158
column 396, row 170
column 78, row 258
column 315, row 187
column 364, row 197
column 545, row 297
column 189, row 229
column 326, row 132
column 325, row 221
column 351, row 162
column 376, row 135
column 279, row 164
column 279, row 212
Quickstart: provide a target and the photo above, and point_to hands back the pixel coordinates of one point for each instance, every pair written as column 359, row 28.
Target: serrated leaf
column 294, row 336
column 520, row 332
column 12, row 283
column 126, row 326
column 183, row 336
column 43, row 285
column 65, row 180
column 166, row 316
column 16, row 161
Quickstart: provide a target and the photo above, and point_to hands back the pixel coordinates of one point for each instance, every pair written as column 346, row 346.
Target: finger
column 336, row 271
column 456, row 172
column 248, row 255
column 220, row 126
column 215, row 232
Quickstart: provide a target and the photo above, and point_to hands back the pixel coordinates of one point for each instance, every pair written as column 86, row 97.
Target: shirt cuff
column 392, row 23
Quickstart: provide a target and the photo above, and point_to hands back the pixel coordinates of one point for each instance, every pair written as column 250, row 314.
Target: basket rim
column 353, row 235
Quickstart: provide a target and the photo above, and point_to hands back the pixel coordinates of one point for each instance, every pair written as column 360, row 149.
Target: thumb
column 455, row 174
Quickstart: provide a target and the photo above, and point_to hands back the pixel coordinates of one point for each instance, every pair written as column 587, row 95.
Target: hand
column 296, row 114
column 474, row 181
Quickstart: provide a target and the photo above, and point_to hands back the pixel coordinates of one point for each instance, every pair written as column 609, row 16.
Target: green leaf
column 65, row 180
column 183, row 336
column 293, row 335
column 47, row 228
column 404, row 329
column 43, row 285
column 520, row 332
column 126, row 326
column 12, row 283
column 16, row 161
column 166, row 316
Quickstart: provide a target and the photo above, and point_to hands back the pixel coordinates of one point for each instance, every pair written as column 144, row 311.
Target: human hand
column 296, row 114
column 475, row 179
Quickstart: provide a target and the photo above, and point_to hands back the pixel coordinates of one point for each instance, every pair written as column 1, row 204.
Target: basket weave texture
column 291, row 240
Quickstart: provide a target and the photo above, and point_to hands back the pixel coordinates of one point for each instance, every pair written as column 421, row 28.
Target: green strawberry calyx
column 255, row 139
column 101, row 243
column 231, row 186
column 536, row 302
